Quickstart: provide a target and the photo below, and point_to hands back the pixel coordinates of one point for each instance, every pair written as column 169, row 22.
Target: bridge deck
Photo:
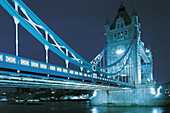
column 16, row 70
column 32, row 82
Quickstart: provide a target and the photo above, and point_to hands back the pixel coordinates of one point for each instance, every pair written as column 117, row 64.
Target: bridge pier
column 142, row 95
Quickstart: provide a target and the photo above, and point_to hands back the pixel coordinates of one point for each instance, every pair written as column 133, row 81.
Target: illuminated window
column 113, row 51
column 121, row 34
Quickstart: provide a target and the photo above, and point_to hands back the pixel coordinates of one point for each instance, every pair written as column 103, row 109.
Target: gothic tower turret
column 119, row 36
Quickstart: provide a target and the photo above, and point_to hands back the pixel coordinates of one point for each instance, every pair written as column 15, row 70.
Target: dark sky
column 80, row 23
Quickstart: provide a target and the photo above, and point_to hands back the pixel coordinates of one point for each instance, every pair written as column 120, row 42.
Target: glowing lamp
column 123, row 75
column 120, row 49
column 147, row 50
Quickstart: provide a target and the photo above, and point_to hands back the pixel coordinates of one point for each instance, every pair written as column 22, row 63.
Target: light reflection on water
column 76, row 107
column 157, row 110
column 130, row 110
column 94, row 110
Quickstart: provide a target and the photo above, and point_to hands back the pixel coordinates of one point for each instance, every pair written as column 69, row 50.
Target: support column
column 16, row 21
column 137, row 63
column 141, row 95
column 67, row 61
column 46, row 47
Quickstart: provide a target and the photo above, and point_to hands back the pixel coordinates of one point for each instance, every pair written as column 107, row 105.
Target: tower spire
column 107, row 21
column 134, row 11
column 121, row 3
column 133, row 4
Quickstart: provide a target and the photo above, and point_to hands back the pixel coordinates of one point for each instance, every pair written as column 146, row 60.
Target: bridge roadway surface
column 30, row 82
column 21, row 72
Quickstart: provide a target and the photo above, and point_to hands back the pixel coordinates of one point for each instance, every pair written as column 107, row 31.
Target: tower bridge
column 122, row 73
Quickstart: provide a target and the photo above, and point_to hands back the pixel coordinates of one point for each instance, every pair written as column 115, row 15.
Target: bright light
column 123, row 75
column 157, row 110
column 75, row 97
column 147, row 50
column 125, row 88
column 158, row 91
column 148, row 80
column 94, row 110
column 120, row 51
column 152, row 91
column 94, row 94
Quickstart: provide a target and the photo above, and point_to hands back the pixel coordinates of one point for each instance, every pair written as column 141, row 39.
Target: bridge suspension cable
column 104, row 67
column 32, row 24
column 122, row 62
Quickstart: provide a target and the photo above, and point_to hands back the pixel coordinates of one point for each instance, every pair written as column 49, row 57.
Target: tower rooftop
column 121, row 13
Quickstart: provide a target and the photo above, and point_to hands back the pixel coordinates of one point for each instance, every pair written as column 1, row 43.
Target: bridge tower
column 119, row 36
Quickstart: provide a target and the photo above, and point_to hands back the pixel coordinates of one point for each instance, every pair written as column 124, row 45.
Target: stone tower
column 138, row 70
column 119, row 36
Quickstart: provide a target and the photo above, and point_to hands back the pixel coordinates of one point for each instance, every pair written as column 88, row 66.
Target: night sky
column 80, row 23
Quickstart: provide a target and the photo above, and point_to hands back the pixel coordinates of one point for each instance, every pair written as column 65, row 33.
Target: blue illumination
column 152, row 91
column 158, row 91
column 120, row 51
column 31, row 23
column 94, row 94
column 94, row 110
column 157, row 110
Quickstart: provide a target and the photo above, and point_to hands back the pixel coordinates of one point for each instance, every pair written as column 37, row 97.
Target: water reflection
column 94, row 110
column 100, row 109
column 157, row 110
column 76, row 107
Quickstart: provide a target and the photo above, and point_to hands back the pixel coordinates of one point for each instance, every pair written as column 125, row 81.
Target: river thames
column 75, row 107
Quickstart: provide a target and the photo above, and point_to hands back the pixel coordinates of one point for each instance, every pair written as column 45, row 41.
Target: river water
column 76, row 107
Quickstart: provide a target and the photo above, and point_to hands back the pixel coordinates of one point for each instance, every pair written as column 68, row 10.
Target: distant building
column 119, row 35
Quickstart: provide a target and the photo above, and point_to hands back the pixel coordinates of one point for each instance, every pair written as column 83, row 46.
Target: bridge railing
column 7, row 58
column 25, row 64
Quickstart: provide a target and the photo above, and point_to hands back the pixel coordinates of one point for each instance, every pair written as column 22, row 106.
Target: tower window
column 121, row 25
column 113, row 51
column 121, row 34
column 118, row 34
column 115, row 35
column 117, row 26
column 126, row 32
